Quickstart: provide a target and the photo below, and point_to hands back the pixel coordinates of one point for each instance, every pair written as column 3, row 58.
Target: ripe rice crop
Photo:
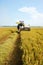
column 25, row 48
column 32, row 44
column 6, row 49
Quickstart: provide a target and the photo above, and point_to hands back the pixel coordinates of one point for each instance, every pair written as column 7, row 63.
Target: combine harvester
column 23, row 28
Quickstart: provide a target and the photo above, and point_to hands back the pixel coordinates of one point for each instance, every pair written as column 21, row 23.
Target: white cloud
column 36, row 16
column 28, row 9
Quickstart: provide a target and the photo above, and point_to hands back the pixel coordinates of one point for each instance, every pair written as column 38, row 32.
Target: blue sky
column 30, row 11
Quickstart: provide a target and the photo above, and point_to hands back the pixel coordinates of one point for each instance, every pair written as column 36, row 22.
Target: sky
column 29, row 11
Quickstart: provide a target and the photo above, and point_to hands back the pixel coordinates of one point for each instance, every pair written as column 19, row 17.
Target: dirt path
column 16, row 58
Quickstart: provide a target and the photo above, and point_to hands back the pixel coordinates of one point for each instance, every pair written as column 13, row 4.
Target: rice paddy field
column 25, row 48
